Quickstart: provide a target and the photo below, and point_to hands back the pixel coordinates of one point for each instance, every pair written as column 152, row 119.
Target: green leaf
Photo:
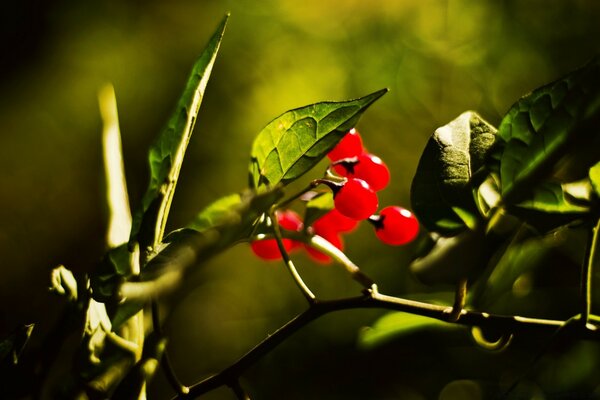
column 222, row 224
column 166, row 154
column 297, row 140
column 217, row 213
column 113, row 269
column 119, row 218
column 443, row 183
column 545, row 127
column 594, row 175
column 518, row 260
column 318, row 206
column 394, row 325
column 454, row 258
column 549, row 197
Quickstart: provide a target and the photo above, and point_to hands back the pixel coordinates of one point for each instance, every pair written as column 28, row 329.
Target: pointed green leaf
column 594, row 176
column 233, row 215
column 219, row 212
column 394, row 325
column 549, row 197
column 119, row 219
column 166, row 154
column 548, row 206
column 219, row 226
column 548, row 124
column 297, row 140
column 443, row 182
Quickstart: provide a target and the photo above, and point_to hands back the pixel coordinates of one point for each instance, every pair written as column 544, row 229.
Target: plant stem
column 326, row 247
column 239, row 391
column 165, row 361
column 297, row 195
column 372, row 299
column 587, row 272
column 460, row 297
column 308, row 294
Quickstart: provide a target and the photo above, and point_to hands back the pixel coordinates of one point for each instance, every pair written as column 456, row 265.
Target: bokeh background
column 438, row 58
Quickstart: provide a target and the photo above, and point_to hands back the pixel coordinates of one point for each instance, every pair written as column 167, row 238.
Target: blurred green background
column 439, row 58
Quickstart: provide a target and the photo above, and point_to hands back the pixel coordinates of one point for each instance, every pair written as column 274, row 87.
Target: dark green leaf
column 594, row 176
column 549, row 197
column 166, row 154
column 545, row 126
column 443, row 183
column 318, row 206
column 454, row 258
column 114, row 268
column 298, row 139
column 518, row 261
column 394, row 325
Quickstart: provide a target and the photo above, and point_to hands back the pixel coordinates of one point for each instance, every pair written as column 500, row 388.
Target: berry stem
column 324, row 246
column 334, row 186
column 347, row 163
column 376, row 220
column 460, row 297
column 308, row 294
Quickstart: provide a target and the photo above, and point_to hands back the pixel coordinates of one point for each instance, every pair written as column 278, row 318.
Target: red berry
column 334, row 221
column 355, row 199
column 349, row 146
column 332, row 237
column 396, row 225
column 369, row 168
column 267, row 249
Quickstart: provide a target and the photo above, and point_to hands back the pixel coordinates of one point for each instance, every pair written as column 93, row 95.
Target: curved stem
column 460, row 297
column 324, row 246
column 297, row 195
column 587, row 271
column 165, row 361
column 372, row 299
column 239, row 391
column 308, row 294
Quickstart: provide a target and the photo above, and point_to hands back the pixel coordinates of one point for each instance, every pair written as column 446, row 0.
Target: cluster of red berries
column 355, row 199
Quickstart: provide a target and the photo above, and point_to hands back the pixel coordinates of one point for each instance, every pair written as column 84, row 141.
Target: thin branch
column 372, row 299
column 326, row 247
column 460, row 298
column 297, row 195
column 587, row 271
column 165, row 361
column 308, row 294
column 232, row 372
column 239, row 391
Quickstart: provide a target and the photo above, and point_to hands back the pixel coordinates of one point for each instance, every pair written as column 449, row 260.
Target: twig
column 460, row 297
column 165, row 361
column 326, row 247
column 586, row 273
column 308, row 294
column 372, row 299
column 239, row 391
